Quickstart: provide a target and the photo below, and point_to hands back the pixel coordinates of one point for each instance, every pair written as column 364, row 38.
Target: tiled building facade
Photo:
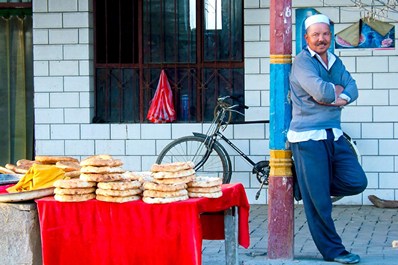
column 64, row 97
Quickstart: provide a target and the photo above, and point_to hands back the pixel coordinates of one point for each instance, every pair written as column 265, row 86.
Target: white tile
column 64, row 100
column 50, row 147
column 40, row 36
column 78, row 115
column 78, row 83
column 62, row 5
column 65, row 131
column 388, row 147
column 252, row 33
column 111, row 147
column 132, row 163
column 49, row 116
column 256, row 16
column 62, row 68
column 40, row 68
column 377, row 130
column 78, row 52
column 389, row 180
column 259, row 147
column 386, row 114
column 357, row 114
column 63, row 36
column 378, row 163
column 155, row 131
column 76, row 20
column 95, row 131
column 48, row 84
column 47, row 52
column 79, row 147
column 373, row 97
column 385, row 80
column 39, row 6
column 140, row 147
column 47, row 20
column 42, row 100
column 256, row 49
column 372, row 64
column 184, row 129
column 42, row 132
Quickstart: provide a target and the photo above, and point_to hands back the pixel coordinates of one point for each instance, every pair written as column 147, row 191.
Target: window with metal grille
column 199, row 44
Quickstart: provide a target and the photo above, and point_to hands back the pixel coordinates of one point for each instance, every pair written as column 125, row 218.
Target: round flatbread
column 54, row 159
column 217, row 194
column 74, row 198
column 4, row 170
column 72, row 174
column 173, row 175
column 119, row 185
column 21, row 170
column 205, row 189
column 73, row 183
column 175, row 181
column 73, row 191
column 117, row 199
column 164, row 194
column 118, row 193
column 152, row 200
column 172, row 167
column 25, row 163
column 135, row 175
column 101, row 161
column 163, row 187
column 101, row 170
column 102, row 177
column 203, row 181
column 68, row 166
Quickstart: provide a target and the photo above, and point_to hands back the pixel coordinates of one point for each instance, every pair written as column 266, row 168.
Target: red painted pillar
column 280, row 191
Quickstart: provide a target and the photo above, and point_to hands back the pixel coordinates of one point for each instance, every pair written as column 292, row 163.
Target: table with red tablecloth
column 97, row 232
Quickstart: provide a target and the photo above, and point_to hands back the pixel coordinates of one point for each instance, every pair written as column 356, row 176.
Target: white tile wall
column 64, row 85
column 62, row 5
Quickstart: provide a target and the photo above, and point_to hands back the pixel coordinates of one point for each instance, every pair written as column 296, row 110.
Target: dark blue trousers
column 326, row 168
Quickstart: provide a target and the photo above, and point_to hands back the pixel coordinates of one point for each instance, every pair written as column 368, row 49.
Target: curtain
column 16, row 86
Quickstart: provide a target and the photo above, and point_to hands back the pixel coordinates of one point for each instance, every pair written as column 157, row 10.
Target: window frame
column 195, row 72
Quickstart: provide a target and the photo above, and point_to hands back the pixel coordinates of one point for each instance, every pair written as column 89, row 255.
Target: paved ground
column 366, row 230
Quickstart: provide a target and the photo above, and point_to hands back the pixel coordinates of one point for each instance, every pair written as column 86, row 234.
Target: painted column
column 280, row 191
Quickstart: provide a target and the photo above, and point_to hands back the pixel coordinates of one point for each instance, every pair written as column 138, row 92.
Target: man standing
column 325, row 165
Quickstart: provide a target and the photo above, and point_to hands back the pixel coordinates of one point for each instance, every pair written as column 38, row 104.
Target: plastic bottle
column 184, row 107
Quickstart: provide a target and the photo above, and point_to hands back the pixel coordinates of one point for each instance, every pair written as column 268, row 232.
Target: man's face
column 318, row 37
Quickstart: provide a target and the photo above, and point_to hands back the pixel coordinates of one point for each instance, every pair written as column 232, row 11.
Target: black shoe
column 347, row 258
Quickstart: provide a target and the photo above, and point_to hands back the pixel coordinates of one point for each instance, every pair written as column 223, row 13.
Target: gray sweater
column 311, row 83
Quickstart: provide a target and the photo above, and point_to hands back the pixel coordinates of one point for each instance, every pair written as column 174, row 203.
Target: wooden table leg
column 231, row 236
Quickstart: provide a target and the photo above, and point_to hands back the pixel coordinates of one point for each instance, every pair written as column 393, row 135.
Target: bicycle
column 211, row 158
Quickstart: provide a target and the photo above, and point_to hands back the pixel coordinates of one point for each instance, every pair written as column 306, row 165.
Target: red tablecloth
column 96, row 232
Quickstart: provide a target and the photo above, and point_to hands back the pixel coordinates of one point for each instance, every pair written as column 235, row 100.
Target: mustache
column 321, row 43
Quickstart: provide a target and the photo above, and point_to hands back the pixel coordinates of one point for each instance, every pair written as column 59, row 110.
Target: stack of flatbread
column 114, row 184
column 101, row 168
column 21, row 167
column 202, row 186
column 71, row 168
column 119, row 191
column 74, row 190
column 52, row 160
column 169, row 182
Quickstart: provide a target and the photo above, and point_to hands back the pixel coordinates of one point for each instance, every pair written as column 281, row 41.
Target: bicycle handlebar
column 222, row 99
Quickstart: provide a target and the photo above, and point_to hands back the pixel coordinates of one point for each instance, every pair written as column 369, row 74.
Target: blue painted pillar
column 280, row 191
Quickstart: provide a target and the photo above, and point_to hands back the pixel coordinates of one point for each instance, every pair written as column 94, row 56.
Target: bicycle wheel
column 193, row 148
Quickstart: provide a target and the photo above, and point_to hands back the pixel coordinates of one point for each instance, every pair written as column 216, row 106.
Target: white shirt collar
column 331, row 58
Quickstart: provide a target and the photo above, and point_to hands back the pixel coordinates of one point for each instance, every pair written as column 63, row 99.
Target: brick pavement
column 366, row 230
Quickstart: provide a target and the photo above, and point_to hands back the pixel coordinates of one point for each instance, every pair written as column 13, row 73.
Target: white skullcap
column 318, row 18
